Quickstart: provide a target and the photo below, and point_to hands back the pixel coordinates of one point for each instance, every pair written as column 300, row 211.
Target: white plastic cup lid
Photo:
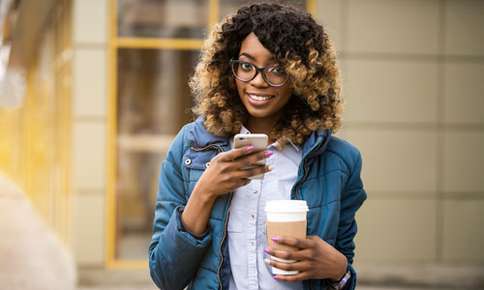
column 286, row 206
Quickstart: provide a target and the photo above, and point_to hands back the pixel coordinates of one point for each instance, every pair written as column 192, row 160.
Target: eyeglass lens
column 245, row 71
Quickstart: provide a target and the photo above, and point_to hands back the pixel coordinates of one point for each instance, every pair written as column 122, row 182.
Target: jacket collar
column 316, row 141
column 200, row 137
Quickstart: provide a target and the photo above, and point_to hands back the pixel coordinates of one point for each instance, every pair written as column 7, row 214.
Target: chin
column 259, row 114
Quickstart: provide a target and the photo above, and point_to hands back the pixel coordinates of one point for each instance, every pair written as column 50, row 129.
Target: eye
column 245, row 66
column 277, row 70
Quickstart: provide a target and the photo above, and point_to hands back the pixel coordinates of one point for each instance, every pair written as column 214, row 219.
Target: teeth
column 260, row 98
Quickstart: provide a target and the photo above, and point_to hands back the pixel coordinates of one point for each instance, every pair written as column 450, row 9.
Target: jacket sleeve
column 351, row 200
column 174, row 254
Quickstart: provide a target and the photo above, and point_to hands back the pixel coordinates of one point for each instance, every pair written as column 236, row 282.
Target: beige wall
column 89, row 130
column 413, row 82
column 413, row 85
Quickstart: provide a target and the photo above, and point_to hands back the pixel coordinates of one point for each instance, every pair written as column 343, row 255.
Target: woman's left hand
column 316, row 259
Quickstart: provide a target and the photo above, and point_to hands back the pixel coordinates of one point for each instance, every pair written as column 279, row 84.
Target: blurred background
column 93, row 91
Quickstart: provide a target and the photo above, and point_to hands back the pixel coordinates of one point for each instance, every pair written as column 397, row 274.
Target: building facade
column 107, row 90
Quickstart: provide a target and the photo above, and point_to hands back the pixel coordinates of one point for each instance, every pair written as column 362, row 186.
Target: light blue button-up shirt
column 247, row 220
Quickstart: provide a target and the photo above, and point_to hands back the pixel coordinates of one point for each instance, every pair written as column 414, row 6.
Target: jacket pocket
column 323, row 221
column 195, row 164
column 195, row 174
column 198, row 160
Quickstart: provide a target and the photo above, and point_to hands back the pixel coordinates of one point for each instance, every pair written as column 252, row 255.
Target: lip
column 259, row 103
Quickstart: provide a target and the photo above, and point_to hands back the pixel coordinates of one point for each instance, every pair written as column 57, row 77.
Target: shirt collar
column 244, row 130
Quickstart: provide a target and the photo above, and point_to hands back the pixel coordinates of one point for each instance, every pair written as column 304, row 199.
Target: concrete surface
column 359, row 288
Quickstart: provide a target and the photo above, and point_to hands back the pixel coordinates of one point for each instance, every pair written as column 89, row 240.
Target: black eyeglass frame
column 261, row 70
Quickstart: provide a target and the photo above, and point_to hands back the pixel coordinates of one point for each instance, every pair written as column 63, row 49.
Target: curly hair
column 299, row 44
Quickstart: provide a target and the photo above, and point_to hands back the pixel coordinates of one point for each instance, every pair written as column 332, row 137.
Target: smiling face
column 263, row 102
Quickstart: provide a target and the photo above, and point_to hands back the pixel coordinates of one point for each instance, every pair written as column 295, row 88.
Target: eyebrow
column 253, row 58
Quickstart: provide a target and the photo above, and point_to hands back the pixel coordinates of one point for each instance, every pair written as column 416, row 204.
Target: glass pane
column 163, row 18
column 154, row 102
column 231, row 6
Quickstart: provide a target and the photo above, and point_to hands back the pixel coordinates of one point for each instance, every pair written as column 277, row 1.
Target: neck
column 259, row 125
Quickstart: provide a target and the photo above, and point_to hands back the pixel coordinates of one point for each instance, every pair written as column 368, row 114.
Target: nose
column 259, row 81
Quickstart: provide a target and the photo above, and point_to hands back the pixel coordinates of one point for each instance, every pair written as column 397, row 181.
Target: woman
column 267, row 69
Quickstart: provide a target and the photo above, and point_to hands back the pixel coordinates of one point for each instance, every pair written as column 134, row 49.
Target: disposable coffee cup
column 286, row 218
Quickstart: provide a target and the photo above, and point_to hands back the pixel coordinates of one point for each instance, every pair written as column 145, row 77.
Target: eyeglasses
column 244, row 71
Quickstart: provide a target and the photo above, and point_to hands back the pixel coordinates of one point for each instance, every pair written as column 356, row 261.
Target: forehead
column 253, row 47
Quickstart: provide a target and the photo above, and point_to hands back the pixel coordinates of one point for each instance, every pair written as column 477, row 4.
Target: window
column 154, row 48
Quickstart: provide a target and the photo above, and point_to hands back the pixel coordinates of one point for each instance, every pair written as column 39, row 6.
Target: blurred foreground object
column 12, row 77
column 12, row 81
column 32, row 257
column 12, row 86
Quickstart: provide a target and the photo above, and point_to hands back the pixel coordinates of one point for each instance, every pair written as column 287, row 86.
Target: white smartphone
column 259, row 141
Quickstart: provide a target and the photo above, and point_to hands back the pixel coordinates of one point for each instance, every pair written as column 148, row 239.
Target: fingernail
column 276, row 239
column 269, row 168
column 249, row 148
column 267, row 261
column 267, row 153
column 267, row 250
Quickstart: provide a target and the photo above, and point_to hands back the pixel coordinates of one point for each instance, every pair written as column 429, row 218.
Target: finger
column 236, row 153
column 293, row 278
column 243, row 182
column 286, row 255
column 300, row 266
column 240, row 174
column 303, row 255
column 254, row 158
column 241, row 178
column 294, row 242
column 250, row 160
column 249, row 172
column 258, row 169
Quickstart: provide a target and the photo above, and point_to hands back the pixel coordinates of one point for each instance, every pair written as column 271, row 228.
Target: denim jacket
column 328, row 179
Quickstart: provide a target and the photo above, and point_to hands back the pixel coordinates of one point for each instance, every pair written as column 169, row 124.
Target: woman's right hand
column 228, row 171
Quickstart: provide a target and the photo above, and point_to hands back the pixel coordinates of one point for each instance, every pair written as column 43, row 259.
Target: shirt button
column 188, row 161
column 253, row 216
column 255, row 191
column 207, row 165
